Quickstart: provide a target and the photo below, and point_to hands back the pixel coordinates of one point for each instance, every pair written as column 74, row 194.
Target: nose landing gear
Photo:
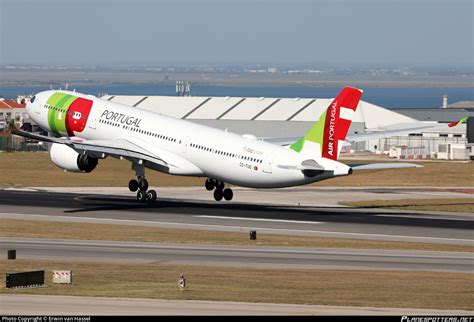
column 220, row 191
column 133, row 185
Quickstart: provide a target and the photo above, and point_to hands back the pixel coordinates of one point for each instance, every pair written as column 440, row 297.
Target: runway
column 237, row 256
column 188, row 213
column 76, row 305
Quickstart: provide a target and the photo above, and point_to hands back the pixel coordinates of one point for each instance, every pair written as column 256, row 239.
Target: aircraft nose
column 34, row 103
column 36, row 100
column 29, row 103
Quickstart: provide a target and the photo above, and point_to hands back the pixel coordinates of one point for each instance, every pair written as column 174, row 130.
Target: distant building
column 443, row 115
column 292, row 117
column 13, row 109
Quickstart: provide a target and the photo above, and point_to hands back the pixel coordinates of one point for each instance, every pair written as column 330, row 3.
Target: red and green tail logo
column 333, row 124
column 461, row 121
column 67, row 113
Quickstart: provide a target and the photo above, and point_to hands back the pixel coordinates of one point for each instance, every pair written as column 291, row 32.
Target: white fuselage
column 195, row 150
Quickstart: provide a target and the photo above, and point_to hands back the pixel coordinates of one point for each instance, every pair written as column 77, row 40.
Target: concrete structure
column 292, row 117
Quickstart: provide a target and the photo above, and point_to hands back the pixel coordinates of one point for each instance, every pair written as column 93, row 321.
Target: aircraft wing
column 116, row 148
column 352, row 138
column 397, row 129
column 311, row 164
column 415, row 128
column 100, row 148
column 384, row 165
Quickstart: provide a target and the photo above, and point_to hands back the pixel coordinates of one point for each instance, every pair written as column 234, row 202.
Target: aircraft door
column 267, row 163
column 37, row 107
column 93, row 121
column 185, row 144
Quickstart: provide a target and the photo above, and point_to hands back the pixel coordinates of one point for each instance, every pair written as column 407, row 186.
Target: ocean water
column 385, row 97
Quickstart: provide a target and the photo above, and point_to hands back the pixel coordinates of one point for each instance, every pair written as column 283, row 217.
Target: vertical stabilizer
column 324, row 136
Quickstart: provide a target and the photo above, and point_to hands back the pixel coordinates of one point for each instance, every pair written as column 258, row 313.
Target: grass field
column 85, row 231
column 23, row 169
column 409, row 289
column 443, row 204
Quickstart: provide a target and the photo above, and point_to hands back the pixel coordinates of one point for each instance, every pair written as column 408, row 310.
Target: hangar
column 292, row 117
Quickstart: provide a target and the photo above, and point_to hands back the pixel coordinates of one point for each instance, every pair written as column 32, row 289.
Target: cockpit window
column 32, row 99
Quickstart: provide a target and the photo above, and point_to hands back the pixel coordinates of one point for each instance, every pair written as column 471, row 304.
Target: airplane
column 85, row 129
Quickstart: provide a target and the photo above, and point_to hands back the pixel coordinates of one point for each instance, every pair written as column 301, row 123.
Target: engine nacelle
column 69, row 160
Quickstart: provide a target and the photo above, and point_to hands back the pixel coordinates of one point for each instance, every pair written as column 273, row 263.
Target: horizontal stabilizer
column 384, row 165
column 283, row 141
column 309, row 164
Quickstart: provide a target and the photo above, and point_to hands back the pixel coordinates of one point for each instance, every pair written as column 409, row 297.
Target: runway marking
column 62, row 243
column 68, row 218
column 424, row 217
column 262, row 219
column 51, row 218
column 164, row 223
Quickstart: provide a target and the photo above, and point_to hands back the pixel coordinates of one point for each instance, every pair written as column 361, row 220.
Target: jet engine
column 69, row 160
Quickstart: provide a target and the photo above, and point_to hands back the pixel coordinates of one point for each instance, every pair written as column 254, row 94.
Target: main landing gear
column 143, row 194
column 142, row 186
column 220, row 190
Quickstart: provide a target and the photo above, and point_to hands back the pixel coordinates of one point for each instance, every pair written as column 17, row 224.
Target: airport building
column 13, row 109
column 292, row 117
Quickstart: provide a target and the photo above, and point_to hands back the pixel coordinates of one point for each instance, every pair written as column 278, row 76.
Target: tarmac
column 32, row 305
column 266, row 215
column 302, row 211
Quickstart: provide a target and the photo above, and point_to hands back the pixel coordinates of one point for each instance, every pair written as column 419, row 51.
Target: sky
column 331, row 32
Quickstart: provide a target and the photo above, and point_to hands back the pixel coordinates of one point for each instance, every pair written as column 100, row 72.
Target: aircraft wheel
column 228, row 194
column 151, row 196
column 220, row 185
column 141, row 196
column 218, row 194
column 209, row 184
column 133, row 185
column 143, row 184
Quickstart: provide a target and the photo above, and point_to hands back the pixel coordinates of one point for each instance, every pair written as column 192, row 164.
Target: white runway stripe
column 262, row 219
column 423, row 217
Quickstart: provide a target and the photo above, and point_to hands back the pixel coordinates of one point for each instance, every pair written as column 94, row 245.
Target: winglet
column 461, row 121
